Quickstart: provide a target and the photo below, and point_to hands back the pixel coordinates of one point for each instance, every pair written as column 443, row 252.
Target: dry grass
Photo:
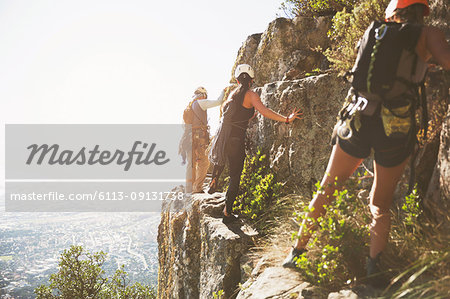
column 277, row 243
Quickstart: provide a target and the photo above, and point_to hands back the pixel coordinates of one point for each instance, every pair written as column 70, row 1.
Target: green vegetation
column 315, row 7
column 314, row 72
column 350, row 20
column 218, row 294
column 417, row 257
column 80, row 275
column 336, row 253
column 258, row 191
column 412, row 209
column 347, row 28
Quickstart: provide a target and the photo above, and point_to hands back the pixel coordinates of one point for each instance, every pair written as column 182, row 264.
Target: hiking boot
column 289, row 261
column 375, row 276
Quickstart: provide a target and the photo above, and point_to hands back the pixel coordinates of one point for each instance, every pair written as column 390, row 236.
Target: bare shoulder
column 252, row 94
column 433, row 32
column 251, row 99
column 432, row 43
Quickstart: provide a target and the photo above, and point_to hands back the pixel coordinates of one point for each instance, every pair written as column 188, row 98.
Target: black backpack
column 385, row 66
column 386, row 60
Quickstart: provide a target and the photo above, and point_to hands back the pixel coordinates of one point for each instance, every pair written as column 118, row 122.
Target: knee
column 379, row 213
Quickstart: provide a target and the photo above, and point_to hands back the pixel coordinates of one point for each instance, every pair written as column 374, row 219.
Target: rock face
column 444, row 159
column 274, row 282
column 286, row 48
column 198, row 254
column 439, row 15
column 438, row 195
column 299, row 152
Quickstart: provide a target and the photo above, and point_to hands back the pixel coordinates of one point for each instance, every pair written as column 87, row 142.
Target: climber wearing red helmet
column 399, row 4
column 390, row 158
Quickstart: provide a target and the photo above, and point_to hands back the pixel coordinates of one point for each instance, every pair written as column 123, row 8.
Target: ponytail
column 245, row 82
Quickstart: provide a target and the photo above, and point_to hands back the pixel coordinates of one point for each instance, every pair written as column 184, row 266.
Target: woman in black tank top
column 228, row 144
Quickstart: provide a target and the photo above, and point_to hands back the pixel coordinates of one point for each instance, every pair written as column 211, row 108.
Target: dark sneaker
column 375, row 277
column 289, row 261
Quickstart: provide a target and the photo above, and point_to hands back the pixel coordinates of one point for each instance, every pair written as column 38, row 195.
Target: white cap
column 244, row 68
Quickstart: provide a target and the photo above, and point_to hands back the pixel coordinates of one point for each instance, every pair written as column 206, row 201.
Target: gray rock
column 299, row 152
column 198, row 254
column 343, row 294
column 287, row 46
column 438, row 195
column 274, row 282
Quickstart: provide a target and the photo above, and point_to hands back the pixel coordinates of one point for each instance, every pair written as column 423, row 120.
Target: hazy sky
column 117, row 61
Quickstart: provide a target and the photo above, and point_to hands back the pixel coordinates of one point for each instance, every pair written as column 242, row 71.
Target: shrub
column 258, row 189
column 348, row 26
column 315, row 7
column 337, row 248
column 417, row 256
column 80, row 275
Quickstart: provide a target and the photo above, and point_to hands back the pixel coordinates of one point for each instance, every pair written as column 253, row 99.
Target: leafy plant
column 218, row 295
column 336, row 250
column 412, row 208
column 258, row 188
column 315, row 7
column 348, row 26
column 80, row 275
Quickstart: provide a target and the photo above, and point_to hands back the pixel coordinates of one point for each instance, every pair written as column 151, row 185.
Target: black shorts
column 388, row 151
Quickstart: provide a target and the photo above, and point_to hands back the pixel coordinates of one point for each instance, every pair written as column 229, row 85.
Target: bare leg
column 386, row 179
column 341, row 165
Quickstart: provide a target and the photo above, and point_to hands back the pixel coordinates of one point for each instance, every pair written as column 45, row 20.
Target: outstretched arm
column 269, row 113
column 206, row 104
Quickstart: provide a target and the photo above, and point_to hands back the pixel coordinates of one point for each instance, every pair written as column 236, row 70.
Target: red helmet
column 394, row 4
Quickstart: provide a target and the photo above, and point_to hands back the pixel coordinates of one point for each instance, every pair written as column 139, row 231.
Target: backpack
column 188, row 114
column 384, row 68
column 386, row 61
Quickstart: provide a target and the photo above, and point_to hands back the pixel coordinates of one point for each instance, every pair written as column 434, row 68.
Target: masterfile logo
column 92, row 167
column 54, row 155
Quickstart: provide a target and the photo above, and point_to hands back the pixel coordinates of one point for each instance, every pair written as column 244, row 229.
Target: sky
column 118, row 61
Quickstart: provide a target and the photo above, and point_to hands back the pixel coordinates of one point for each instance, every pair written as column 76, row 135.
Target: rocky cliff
column 286, row 50
column 198, row 254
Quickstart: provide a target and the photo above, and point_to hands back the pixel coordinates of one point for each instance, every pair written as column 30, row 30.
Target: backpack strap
column 195, row 114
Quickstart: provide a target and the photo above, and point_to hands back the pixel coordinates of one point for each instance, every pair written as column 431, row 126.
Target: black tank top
column 240, row 120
